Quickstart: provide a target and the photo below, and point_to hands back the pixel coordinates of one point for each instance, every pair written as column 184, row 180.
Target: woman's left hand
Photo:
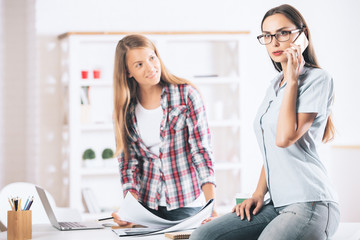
column 295, row 63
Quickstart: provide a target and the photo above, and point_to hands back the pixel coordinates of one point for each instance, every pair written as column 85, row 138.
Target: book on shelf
column 84, row 95
column 206, row 76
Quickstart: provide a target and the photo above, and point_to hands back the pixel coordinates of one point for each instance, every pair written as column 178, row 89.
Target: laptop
column 63, row 226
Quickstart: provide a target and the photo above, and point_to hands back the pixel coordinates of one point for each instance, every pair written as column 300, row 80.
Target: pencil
column 30, row 203
column 103, row 219
column 27, row 201
column 11, row 204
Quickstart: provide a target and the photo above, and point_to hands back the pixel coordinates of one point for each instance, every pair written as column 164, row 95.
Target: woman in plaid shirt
column 162, row 134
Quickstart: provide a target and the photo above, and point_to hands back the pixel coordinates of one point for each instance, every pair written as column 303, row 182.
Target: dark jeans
column 174, row 215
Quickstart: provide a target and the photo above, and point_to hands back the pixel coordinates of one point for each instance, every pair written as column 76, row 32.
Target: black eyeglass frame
column 274, row 35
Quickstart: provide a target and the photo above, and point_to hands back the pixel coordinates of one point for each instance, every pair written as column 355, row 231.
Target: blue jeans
column 307, row 221
column 174, row 215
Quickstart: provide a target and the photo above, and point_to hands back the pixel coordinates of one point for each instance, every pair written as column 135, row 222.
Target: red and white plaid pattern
column 185, row 160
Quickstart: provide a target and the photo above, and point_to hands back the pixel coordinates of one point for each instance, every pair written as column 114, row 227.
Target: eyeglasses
column 281, row 36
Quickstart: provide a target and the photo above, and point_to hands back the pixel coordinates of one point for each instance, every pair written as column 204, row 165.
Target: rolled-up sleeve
column 129, row 172
column 199, row 138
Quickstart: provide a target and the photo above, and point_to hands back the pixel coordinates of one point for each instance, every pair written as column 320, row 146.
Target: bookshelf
column 213, row 61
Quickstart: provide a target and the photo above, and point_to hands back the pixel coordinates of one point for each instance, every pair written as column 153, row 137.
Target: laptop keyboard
column 71, row 224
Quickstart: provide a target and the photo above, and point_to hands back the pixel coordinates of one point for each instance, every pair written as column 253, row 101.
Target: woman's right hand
column 118, row 220
column 116, row 216
column 243, row 208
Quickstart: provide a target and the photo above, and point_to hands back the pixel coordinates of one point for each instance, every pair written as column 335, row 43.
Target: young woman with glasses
column 162, row 134
column 292, row 120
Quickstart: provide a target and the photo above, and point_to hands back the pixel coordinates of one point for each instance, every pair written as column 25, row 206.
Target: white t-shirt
column 149, row 121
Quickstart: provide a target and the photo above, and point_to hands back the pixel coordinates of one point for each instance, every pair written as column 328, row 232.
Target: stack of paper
column 134, row 212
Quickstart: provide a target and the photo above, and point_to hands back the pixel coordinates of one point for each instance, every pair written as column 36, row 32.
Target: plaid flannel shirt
column 185, row 160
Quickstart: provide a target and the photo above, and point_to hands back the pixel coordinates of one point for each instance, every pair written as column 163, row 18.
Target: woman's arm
column 209, row 192
column 200, row 148
column 256, row 200
column 199, row 138
column 292, row 125
column 129, row 171
column 261, row 188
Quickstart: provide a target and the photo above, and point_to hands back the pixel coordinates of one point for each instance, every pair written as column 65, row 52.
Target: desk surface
column 348, row 231
column 45, row 231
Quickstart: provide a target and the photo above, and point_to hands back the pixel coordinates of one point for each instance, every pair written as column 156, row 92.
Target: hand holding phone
column 302, row 41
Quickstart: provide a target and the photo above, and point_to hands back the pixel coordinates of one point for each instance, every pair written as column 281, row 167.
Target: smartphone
column 302, row 41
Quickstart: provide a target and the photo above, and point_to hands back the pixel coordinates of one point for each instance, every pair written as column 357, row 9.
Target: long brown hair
column 310, row 58
column 125, row 88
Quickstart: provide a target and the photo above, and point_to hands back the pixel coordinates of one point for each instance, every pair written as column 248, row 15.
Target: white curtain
column 19, row 105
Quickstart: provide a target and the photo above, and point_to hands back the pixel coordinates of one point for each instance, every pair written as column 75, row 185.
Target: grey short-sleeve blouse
column 296, row 174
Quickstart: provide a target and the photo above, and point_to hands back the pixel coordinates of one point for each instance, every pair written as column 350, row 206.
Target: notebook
column 63, row 226
column 178, row 235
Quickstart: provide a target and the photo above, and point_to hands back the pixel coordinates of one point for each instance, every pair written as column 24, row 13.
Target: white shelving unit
column 213, row 61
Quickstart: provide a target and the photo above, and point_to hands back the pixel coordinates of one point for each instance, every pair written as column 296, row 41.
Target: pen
column 103, row 219
column 16, row 204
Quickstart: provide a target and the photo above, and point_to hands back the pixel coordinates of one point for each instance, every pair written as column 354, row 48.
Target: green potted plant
column 108, row 157
column 89, row 157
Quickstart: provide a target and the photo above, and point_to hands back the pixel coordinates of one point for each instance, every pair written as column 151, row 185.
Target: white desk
column 44, row 231
column 346, row 231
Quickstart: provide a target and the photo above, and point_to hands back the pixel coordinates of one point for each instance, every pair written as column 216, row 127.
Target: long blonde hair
column 125, row 88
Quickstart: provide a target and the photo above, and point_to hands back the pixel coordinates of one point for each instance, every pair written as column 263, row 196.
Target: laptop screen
column 45, row 202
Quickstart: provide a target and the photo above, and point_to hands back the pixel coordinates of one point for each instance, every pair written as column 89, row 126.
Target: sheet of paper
column 192, row 222
column 133, row 211
column 136, row 213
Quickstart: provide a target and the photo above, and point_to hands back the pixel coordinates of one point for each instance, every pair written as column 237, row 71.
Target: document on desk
column 136, row 213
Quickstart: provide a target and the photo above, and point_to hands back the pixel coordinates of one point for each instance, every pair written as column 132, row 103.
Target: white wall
column 18, row 91
column 333, row 26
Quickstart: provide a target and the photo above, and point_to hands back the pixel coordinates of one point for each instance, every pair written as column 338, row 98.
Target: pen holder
column 19, row 225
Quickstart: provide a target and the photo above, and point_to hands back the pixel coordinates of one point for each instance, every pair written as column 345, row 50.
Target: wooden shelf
column 95, row 83
column 64, row 35
column 100, row 171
